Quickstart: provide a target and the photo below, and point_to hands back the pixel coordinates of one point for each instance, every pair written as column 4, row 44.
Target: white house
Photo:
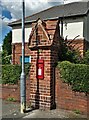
column 73, row 24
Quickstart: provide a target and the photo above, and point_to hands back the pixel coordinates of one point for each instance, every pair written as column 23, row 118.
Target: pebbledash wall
column 48, row 92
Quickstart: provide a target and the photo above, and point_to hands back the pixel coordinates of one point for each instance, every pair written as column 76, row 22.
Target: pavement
column 12, row 110
column 56, row 113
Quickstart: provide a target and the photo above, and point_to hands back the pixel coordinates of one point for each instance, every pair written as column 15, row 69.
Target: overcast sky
column 11, row 10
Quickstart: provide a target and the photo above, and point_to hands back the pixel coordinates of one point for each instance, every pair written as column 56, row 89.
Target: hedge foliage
column 76, row 75
column 85, row 59
column 11, row 73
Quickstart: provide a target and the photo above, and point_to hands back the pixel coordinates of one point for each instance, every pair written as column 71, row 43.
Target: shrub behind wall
column 76, row 75
column 11, row 73
column 85, row 59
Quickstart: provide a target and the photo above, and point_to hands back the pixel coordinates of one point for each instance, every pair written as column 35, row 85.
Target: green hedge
column 76, row 75
column 85, row 59
column 11, row 73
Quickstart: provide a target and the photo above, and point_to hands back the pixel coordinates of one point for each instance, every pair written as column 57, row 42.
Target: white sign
column 39, row 71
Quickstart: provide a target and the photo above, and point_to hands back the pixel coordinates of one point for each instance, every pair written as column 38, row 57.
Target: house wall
column 17, row 33
column 73, row 27
column 17, row 40
column 17, row 52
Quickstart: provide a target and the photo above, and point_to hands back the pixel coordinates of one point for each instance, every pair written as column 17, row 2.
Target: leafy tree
column 5, row 57
column 7, row 43
column 7, row 49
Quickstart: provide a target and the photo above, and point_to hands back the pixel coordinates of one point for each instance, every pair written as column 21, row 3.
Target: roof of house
column 65, row 10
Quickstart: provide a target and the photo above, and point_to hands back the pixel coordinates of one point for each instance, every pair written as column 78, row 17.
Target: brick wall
column 13, row 91
column 68, row 99
column 10, row 91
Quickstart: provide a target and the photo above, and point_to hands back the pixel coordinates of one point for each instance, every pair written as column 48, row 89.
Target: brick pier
column 42, row 91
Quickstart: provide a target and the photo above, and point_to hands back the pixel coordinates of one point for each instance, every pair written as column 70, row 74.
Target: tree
column 7, row 43
column 7, row 48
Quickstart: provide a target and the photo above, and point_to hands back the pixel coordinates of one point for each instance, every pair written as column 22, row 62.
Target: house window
column 27, row 59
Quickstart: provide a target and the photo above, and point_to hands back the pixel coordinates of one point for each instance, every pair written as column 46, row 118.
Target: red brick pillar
column 42, row 91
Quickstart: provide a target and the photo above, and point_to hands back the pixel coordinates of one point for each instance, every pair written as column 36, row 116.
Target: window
column 27, row 59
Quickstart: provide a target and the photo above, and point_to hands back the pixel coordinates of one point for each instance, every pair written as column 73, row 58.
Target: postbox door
column 40, row 69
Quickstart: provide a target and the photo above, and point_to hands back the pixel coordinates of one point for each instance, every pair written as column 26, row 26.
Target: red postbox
column 40, row 69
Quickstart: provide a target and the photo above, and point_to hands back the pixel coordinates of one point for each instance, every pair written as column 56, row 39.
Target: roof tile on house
column 65, row 10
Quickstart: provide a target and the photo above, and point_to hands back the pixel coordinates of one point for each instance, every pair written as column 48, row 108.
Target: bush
column 86, row 58
column 76, row 75
column 66, row 53
column 11, row 73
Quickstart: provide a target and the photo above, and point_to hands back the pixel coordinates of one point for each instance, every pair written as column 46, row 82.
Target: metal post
column 23, row 79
